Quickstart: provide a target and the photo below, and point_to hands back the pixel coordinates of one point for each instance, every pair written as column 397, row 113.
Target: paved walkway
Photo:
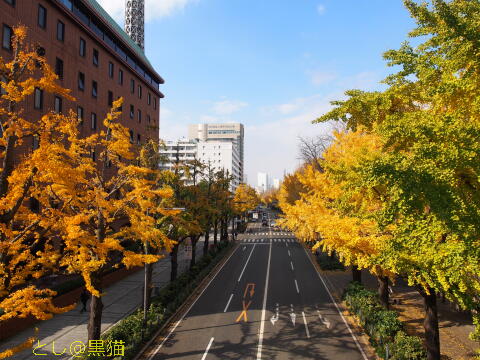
column 454, row 326
column 120, row 299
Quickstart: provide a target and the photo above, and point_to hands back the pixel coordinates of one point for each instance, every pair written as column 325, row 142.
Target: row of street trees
column 74, row 205
column 397, row 190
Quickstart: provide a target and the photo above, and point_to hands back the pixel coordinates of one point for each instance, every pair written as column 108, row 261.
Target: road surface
column 266, row 302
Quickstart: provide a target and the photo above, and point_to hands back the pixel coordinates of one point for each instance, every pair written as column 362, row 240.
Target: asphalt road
column 266, row 302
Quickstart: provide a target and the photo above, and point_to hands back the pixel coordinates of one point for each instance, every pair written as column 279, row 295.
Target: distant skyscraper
column 276, row 184
column 263, row 182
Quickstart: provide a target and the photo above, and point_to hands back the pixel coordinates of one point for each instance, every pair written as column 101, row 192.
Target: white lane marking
column 296, row 285
column 246, row 263
column 262, row 322
column 291, row 265
column 189, row 308
column 289, row 253
column 208, row 348
column 286, row 244
column 306, row 325
column 228, row 303
column 338, row 309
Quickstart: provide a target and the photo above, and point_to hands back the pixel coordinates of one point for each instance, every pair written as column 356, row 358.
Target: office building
column 181, row 151
column 263, row 182
column 94, row 58
column 227, row 133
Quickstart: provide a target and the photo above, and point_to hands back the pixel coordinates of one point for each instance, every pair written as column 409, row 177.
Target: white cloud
column 228, row 107
column 321, row 9
column 154, row 9
column 320, row 77
column 272, row 146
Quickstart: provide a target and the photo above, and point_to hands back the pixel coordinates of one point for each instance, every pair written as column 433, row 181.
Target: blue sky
column 271, row 65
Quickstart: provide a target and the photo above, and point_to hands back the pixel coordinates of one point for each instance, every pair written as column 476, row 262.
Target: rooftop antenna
column 135, row 21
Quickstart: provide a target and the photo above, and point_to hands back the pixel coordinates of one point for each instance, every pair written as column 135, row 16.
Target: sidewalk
column 454, row 326
column 120, row 299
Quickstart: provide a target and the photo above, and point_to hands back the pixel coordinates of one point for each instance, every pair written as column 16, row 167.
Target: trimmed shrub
column 131, row 329
column 382, row 326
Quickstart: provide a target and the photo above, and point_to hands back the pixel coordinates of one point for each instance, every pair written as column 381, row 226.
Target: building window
column 81, row 81
column 82, row 48
column 110, row 98
column 42, row 17
column 149, row 99
column 110, row 69
column 94, row 89
column 95, row 57
column 58, row 104
column 7, row 37
column 59, row 68
column 10, row 2
column 60, row 31
column 120, row 76
column 80, row 115
column 155, row 103
column 148, row 119
column 94, row 155
column 132, row 86
column 93, row 121
column 139, row 115
column 132, row 111
column 139, row 92
column 131, row 135
column 35, row 142
column 138, row 138
column 38, row 99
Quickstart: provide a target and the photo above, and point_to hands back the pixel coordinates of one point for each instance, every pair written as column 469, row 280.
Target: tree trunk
column 205, row 244
column 356, row 274
column 383, row 294
column 148, row 287
column 174, row 262
column 215, row 232
column 430, row 324
column 96, row 308
column 194, row 251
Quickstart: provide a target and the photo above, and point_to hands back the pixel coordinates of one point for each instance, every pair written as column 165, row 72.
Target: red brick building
column 93, row 57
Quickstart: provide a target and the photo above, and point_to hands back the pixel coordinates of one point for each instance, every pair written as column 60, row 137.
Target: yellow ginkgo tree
column 28, row 218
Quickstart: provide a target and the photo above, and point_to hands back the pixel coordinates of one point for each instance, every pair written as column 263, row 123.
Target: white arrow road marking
column 306, row 325
column 324, row 320
column 208, row 348
column 293, row 316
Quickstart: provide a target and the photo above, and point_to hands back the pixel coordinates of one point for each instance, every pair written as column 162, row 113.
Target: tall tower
column 135, row 21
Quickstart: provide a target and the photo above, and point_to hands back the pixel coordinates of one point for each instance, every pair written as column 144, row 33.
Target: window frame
column 111, row 70
column 9, row 28
column 59, row 67
column 59, row 100
column 94, row 89
column 44, row 18
column 95, row 57
column 40, row 92
column 62, row 33
column 93, row 121
column 81, row 76
column 84, row 52
column 120, row 76
column 80, row 114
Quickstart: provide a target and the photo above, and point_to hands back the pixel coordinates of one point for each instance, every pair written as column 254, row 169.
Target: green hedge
column 383, row 326
column 163, row 306
column 327, row 262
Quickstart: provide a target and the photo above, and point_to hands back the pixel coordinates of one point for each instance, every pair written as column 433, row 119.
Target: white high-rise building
column 263, row 182
column 180, row 151
column 276, row 184
column 216, row 134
